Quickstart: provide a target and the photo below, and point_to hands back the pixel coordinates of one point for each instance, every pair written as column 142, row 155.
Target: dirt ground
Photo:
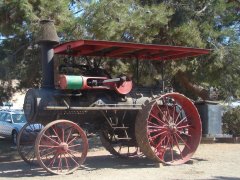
column 211, row 161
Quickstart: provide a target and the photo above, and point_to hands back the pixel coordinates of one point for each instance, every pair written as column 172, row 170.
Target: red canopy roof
column 126, row 50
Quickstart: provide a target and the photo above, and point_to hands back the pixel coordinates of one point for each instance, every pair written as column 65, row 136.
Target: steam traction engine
column 77, row 95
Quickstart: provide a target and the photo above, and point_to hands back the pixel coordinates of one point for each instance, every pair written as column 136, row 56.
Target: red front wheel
column 61, row 147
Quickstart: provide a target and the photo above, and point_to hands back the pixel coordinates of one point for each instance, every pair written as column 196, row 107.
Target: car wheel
column 14, row 137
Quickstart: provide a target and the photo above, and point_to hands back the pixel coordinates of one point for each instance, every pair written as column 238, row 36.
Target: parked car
column 11, row 122
column 5, row 105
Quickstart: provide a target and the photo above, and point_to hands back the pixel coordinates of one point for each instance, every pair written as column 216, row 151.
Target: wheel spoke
column 60, row 163
column 182, row 127
column 162, row 113
column 48, row 146
column 32, row 157
column 50, row 139
column 177, row 144
column 155, row 136
column 70, row 155
column 168, row 141
column 183, row 133
column 183, row 119
column 153, row 124
column 75, row 145
column 163, row 149
column 56, row 135
column 72, row 140
column 74, row 151
column 70, row 132
column 41, row 151
column 183, row 141
column 178, row 115
column 52, row 160
column 48, row 153
column 161, row 141
column 168, row 111
column 62, row 135
column 159, row 120
column 32, row 148
column 155, row 130
column 174, row 110
column 66, row 161
column 172, row 146
column 161, row 153
column 154, row 127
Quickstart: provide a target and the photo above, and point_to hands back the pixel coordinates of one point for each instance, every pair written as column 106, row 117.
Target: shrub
column 231, row 121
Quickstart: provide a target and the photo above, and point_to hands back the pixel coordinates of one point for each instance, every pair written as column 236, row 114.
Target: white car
column 11, row 122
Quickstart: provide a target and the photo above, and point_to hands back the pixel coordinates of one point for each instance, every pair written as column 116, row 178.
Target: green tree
column 206, row 24
column 19, row 23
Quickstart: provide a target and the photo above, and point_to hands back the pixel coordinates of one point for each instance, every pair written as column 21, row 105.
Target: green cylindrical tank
column 71, row 82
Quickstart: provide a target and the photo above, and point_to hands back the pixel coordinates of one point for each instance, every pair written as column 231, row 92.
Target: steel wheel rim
column 61, row 147
column 173, row 129
column 116, row 147
column 26, row 142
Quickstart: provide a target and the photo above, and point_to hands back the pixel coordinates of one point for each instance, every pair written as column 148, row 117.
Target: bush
column 231, row 122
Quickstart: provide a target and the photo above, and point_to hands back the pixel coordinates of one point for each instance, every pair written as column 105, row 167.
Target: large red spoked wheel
column 26, row 142
column 61, row 147
column 168, row 129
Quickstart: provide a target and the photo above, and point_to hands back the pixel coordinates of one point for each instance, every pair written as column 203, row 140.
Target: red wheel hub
column 172, row 128
column 63, row 147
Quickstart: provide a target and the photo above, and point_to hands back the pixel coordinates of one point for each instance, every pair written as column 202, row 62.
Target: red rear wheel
column 169, row 129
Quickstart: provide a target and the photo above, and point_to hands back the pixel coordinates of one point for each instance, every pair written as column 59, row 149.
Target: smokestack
column 47, row 39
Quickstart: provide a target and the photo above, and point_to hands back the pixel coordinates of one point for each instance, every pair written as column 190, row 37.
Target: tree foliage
column 205, row 24
column 231, row 122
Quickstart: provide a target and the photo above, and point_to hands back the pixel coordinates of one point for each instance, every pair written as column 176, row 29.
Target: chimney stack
column 47, row 39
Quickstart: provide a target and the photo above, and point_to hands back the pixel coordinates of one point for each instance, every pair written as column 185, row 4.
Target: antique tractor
column 80, row 95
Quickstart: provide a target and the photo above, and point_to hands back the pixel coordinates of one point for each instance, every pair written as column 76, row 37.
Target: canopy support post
column 137, row 61
column 162, row 74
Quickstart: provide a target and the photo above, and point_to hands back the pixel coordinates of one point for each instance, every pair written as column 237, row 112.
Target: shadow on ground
column 17, row 169
column 8, row 151
column 225, row 178
column 13, row 166
column 21, row 169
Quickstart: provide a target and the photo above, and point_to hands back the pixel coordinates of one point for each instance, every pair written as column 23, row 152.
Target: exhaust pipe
column 47, row 39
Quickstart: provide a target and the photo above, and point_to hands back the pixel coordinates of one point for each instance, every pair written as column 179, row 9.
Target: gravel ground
column 211, row 161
